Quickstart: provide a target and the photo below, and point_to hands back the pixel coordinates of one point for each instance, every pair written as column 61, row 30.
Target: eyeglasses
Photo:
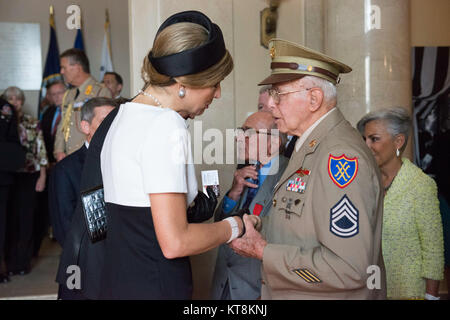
column 248, row 132
column 275, row 94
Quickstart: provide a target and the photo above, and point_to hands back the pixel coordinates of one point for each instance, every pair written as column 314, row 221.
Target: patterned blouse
column 32, row 139
column 412, row 238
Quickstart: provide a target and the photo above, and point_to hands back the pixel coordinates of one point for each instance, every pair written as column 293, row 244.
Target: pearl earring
column 182, row 92
column 397, row 153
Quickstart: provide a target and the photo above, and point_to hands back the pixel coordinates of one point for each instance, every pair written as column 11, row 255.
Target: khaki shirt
column 69, row 136
column 324, row 228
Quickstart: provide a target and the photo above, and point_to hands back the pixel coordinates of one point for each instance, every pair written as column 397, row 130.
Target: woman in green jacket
column 412, row 237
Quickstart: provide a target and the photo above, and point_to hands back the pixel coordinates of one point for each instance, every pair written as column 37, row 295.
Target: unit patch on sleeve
column 342, row 170
column 344, row 219
column 307, row 275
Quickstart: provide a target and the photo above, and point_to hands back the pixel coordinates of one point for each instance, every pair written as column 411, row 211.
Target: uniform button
column 284, row 199
column 274, row 202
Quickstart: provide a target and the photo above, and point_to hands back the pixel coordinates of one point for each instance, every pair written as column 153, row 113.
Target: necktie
column 56, row 121
column 290, row 147
column 76, row 94
column 251, row 192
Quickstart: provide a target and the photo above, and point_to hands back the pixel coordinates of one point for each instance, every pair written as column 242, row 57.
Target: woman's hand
column 178, row 238
column 40, row 183
column 203, row 208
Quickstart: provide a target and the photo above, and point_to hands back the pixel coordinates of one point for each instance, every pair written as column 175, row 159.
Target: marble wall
column 373, row 37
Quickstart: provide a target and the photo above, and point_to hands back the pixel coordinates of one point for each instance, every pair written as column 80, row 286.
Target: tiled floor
column 40, row 282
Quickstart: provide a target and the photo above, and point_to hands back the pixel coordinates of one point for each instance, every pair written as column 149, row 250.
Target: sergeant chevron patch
column 344, row 218
column 307, row 275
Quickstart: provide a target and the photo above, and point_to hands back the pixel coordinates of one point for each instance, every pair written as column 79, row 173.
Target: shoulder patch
column 344, row 218
column 342, row 170
column 88, row 90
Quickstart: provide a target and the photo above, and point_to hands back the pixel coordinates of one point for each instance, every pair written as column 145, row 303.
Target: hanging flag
column 79, row 40
column 106, row 65
column 52, row 67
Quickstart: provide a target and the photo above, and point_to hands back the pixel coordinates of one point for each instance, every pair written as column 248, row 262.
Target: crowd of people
column 328, row 211
column 24, row 224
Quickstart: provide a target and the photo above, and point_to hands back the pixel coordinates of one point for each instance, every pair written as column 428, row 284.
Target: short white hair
column 328, row 88
column 265, row 88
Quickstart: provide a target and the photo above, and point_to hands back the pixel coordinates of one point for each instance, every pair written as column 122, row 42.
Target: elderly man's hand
column 239, row 182
column 252, row 244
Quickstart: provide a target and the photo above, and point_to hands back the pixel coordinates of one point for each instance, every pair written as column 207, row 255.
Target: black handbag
column 94, row 210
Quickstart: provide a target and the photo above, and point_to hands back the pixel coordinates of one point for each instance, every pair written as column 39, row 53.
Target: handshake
column 255, row 220
column 252, row 245
column 202, row 209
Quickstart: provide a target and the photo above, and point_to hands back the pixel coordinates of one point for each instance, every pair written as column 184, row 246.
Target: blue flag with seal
column 79, row 40
column 52, row 66
column 342, row 170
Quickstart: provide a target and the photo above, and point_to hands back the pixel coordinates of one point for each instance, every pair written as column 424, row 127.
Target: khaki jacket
column 324, row 233
column 69, row 137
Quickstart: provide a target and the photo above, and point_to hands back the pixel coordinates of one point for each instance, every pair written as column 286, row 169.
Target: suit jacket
column 244, row 274
column 64, row 190
column 46, row 126
column 324, row 227
column 78, row 249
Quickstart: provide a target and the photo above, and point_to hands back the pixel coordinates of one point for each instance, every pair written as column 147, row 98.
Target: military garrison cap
column 291, row 61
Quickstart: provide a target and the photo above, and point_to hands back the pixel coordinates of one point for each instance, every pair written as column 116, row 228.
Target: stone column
column 373, row 37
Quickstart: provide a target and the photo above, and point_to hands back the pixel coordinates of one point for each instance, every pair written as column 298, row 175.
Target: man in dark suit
column 49, row 122
column 52, row 116
column 236, row 277
column 66, row 178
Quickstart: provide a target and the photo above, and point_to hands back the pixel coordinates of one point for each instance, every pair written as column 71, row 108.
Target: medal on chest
column 298, row 182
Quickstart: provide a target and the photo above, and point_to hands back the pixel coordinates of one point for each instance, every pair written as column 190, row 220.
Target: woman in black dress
column 147, row 168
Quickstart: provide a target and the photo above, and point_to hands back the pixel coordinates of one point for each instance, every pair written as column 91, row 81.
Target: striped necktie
column 57, row 119
column 251, row 192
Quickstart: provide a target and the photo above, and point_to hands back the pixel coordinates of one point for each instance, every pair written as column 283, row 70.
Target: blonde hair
column 14, row 91
column 177, row 38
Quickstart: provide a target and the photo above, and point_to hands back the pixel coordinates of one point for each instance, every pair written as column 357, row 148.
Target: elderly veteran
column 323, row 234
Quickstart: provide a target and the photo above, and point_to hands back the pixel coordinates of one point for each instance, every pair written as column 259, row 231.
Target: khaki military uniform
column 69, row 136
column 324, row 228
